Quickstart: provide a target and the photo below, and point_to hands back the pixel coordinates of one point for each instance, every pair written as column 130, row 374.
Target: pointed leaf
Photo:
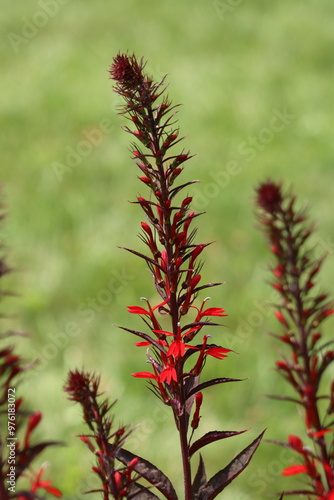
column 210, row 437
column 139, row 492
column 145, row 257
column 144, row 336
column 284, row 398
column 200, row 478
column 149, row 472
column 225, row 476
column 214, row 381
column 177, row 189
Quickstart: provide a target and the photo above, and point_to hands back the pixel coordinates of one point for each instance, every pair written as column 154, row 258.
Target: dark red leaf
column 144, row 336
column 142, row 256
column 149, row 472
column 200, row 478
column 214, row 381
column 210, row 437
column 225, row 476
column 139, row 492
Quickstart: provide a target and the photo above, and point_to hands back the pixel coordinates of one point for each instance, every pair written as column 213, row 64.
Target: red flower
column 176, row 349
column 138, row 310
column 218, row 352
column 37, row 483
column 168, row 374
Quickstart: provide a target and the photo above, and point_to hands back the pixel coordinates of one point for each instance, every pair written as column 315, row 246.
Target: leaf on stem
column 210, row 437
column 214, row 381
column 225, row 476
column 149, row 472
column 200, row 478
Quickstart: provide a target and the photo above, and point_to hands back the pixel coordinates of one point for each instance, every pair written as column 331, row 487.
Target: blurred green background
column 256, row 83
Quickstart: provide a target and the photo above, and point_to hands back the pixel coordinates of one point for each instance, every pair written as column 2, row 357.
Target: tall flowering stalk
column 174, row 261
column 301, row 312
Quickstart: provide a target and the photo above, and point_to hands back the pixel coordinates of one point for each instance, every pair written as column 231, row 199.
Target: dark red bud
column 186, row 201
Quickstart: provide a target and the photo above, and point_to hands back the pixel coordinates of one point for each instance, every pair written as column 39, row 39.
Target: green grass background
column 231, row 64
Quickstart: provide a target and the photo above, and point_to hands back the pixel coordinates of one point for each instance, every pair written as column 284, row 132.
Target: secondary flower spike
column 301, row 311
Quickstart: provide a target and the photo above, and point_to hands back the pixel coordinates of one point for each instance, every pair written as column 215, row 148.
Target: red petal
column 218, row 352
column 167, row 375
column 137, row 310
column 142, row 344
column 320, row 433
column 163, row 332
column 144, row 375
column 54, row 491
column 214, row 311
column 294, row 469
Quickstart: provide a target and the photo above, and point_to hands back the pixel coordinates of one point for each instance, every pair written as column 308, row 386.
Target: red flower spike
column 175, row 274
column 301, row 312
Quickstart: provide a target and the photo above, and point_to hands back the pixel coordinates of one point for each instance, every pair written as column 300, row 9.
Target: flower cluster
column 168, row 233
column 301, row 312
